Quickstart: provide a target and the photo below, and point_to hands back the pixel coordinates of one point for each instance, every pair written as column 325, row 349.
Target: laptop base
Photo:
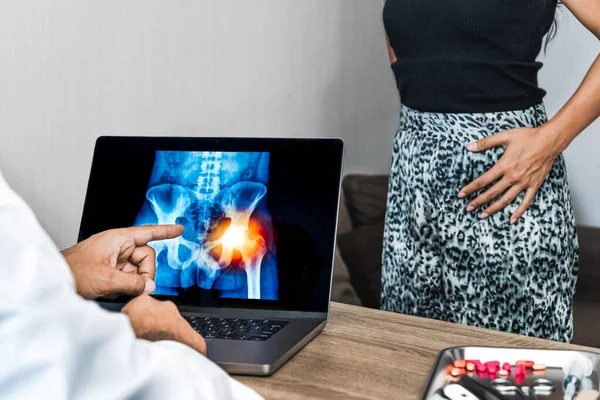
column 240, row 357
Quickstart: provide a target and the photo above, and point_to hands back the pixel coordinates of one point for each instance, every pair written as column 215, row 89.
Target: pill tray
column 555, row 360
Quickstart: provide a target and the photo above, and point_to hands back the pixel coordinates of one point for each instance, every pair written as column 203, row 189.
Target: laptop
column 252, row 271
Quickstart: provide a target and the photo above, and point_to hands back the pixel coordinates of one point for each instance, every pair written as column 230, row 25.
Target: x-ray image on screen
column 220, row 198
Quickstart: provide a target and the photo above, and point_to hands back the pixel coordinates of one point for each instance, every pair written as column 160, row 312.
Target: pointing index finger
column 142, row 235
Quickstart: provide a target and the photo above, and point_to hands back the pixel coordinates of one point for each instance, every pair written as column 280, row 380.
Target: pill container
column 527, row 367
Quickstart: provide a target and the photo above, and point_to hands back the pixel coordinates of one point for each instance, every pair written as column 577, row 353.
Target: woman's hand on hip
column 529, row 155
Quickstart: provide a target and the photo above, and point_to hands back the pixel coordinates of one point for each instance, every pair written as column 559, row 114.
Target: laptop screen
column 259, row 215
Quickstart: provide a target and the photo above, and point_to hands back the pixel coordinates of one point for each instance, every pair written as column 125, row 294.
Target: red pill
column 492, row 376
column 506, row 367
column 519, row 379
column 481, row 368
column 460, row 363
column 520, row 369
column 492, row 369
column 470, row 367
column 526, row 364
column 492, row 364
column 481, row 374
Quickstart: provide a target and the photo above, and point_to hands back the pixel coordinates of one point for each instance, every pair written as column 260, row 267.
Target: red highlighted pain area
column 236, row 242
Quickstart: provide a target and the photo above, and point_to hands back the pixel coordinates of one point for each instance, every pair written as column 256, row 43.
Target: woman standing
column 480, row 227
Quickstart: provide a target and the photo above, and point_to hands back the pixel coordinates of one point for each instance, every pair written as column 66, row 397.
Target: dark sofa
column 357, row 271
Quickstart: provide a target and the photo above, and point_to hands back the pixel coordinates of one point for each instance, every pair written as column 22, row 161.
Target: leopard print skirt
column 442, row 262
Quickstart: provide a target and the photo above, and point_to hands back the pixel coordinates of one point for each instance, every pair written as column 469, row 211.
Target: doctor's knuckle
column 151, row 252
column 108, row 274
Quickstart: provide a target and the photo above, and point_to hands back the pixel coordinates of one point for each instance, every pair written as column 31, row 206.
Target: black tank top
column 468, row 56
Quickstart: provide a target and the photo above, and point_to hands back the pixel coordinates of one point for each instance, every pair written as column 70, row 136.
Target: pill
column 538, row 367
column 506, row 367
column 503, row 373
column 526, row 364
column 481, row 368
column 520, row 369
column 470, row 367
column 449, row 368
column 492, row 369
column 460, row 363
column 496, row 363
column 470, row 374
column 455, row 372
column 492, row 377
column 519, row 378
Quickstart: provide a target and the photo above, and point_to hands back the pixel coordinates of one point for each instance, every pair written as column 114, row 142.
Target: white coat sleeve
column 54, row 344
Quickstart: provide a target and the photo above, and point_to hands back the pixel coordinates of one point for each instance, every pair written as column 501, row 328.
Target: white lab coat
column 56, row 345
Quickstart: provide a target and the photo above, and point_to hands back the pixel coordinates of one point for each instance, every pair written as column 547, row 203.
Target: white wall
column 72, row 70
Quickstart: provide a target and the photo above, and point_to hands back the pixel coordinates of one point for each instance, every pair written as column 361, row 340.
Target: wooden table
column 371, row 354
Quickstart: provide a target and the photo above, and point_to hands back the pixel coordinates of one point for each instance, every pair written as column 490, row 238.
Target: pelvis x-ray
column 220, row 199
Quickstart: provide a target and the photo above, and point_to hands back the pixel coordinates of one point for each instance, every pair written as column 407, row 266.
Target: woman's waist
column 530, row 117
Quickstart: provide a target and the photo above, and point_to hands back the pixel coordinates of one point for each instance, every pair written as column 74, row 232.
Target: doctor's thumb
column 131, row 283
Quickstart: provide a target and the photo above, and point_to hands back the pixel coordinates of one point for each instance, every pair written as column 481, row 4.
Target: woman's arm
column 530, row 153
column 391, row 53
column 584, row 107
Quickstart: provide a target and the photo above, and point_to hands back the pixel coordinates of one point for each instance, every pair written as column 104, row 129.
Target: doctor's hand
column 529, row 155
column 117, row 261
column 160, row 320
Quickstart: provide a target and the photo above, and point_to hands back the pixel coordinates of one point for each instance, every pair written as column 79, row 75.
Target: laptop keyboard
column 236, row 328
